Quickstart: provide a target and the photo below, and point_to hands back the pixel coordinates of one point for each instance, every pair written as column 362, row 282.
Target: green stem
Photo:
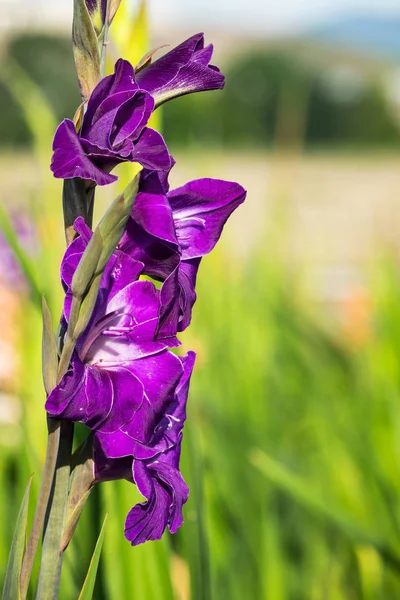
column 51, row 563
column 105, row 41
column 44, row 495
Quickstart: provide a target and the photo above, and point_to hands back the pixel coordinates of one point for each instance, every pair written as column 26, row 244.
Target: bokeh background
column 292, row 445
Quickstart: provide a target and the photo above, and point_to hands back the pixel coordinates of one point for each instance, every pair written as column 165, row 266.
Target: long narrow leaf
column 303, row 493
column 90, row 580
column 11, row 589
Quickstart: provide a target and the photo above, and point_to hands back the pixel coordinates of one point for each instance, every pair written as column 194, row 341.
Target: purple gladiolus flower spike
column 129, row 389
column 114, row 130
column 183, row 70
column 169, row 232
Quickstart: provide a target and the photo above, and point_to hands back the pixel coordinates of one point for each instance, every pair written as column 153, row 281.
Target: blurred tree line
column 270, row 99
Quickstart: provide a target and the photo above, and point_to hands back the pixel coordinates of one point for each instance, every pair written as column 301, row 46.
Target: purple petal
column 122, row 80
column 201, row 209
column 128, row 397
column 187, row 282
column 116, row 445
column 168, row 430
column 132, row 117
column 151, row 151
column 69, row 158
column 153, row 213
column 162, row 485
column 183, row 70
column 71, row 389
column 158, row 257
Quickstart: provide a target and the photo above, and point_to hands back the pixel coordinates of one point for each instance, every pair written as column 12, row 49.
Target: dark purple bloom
column 149, row 456
column 117, row 359
column 129, row 389
column 169, row 232
column 114, row 130
column 183, row 70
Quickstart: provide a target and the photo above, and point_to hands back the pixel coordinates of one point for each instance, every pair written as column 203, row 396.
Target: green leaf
column 12, row 589
column 85, row 48
column 303, row 493
column 81, row 484
column 23, row 259
column 51, row 559
column 49, row 350
column 90, row 580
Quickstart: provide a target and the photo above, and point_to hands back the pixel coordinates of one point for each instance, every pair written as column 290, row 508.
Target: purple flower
column 114, row 130
column 169, row 232
column 183, row 70
column 117, row 364
column 11, row 272
column 129, row 389
column 149, row 456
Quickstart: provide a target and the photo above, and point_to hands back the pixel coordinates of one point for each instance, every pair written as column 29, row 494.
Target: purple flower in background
column 114, row 130
column 183, row 70
column 169, row 232
column 149, row 456
column 10, row 270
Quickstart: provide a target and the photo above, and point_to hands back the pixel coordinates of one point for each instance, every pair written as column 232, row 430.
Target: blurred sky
column 259, row 16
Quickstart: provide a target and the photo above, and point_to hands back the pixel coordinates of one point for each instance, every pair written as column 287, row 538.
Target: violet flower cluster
column 126, row 382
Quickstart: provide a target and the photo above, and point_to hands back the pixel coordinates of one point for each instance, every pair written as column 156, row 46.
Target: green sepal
column 145, row 61
column 88, row 266
column 87, row 277
column 98, row 19
column 113, row 223
column 82, row 480
column 90, row 580
column 12, row 584
column 85, row 48
column 49, row 350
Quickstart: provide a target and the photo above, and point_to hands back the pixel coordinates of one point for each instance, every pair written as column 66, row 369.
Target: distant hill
column 365, row 34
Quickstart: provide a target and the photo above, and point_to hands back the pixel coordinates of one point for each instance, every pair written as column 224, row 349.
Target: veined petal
column 128, row 397
column 187, row 297
column 69, row 158
column 69, row 395
column 201, row 209
column 161, row 483
column 168, row 430
column 160, row 375
column 151, row 151
column 153, row 213
column 183, row 70
column 122, row 80
column 132, row 117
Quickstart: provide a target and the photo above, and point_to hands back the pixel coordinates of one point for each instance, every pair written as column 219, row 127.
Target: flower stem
column 44, row 495
column 51, row 563
column 105, row 41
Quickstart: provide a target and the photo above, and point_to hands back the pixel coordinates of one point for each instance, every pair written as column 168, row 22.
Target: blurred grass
column 291, row 448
